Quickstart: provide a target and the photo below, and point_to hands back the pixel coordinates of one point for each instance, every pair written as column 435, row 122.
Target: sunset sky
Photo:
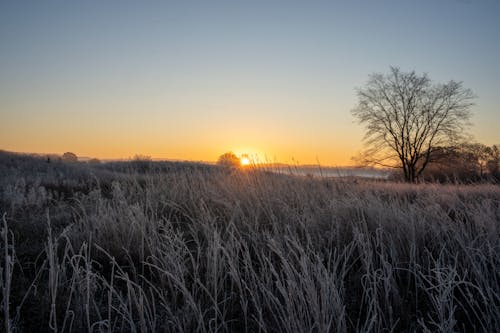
column 191, row 80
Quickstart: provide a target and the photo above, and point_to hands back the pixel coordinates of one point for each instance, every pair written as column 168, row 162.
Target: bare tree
column 407, row 117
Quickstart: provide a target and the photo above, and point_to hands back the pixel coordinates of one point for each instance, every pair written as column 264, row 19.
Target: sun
column 244, row 160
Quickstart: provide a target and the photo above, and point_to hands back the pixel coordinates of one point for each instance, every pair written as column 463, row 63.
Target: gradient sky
column 194, row 79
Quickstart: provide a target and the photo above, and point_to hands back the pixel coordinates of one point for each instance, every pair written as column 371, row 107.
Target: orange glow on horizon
column 327, row 156
column 244, row 160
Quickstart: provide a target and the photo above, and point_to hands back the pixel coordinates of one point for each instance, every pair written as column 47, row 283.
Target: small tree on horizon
column 229, row 160
column 69, row 157
column 407, row 117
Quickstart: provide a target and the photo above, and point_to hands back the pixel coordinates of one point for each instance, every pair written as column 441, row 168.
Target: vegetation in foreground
column 148, row 247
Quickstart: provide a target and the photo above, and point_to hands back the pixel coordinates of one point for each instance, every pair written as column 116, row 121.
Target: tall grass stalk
column 6, row 273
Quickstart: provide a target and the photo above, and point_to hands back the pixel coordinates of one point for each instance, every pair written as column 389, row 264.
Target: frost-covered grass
column 189, row 248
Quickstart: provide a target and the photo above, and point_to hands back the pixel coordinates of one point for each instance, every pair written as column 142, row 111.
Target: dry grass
column 201, row 250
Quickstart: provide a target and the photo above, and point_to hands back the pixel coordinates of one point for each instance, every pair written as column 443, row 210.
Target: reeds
column 202, row 250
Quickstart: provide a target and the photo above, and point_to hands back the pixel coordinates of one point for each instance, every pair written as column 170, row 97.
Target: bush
column 69, row 157
column 229, row 160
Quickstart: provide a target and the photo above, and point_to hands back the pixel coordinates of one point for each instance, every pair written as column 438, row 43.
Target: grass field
column 181, row 247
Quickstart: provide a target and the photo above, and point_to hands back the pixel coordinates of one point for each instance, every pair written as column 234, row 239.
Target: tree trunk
column 411, row 175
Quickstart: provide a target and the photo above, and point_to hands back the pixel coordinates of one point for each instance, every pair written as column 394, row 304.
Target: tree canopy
column 229, row 160
column 69, row 157
column 407, row 117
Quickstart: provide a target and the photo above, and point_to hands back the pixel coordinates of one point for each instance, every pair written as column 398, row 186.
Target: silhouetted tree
column 481, row 154
column 142, row 158
column 142, row 163
column 407, row 117
column 229, row 160
column 493, row 163
column 69, row 157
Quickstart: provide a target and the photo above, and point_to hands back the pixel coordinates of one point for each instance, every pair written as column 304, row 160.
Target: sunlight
column 244, row 160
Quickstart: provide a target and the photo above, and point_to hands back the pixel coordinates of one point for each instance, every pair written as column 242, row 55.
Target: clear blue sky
column 193, row 79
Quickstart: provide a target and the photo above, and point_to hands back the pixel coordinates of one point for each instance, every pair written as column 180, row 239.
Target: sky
column 190, row 80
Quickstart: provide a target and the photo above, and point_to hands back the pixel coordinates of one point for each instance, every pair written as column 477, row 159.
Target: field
column 185, row 247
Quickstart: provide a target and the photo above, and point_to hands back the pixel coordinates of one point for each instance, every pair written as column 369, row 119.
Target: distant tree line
column 464, row 162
